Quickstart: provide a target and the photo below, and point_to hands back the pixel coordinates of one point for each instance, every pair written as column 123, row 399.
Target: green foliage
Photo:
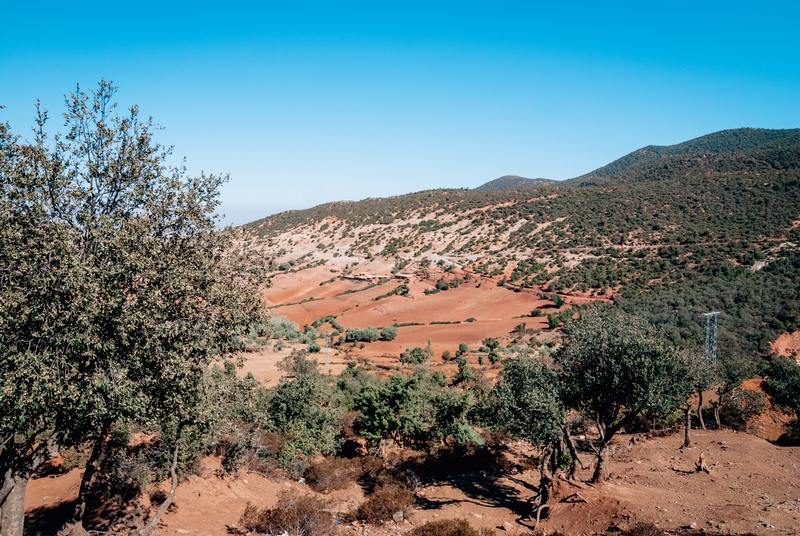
column 414, row 410
column 463, row 348
column 465, row 373
column 701, row 373
column 282, row 327
column 491, row 343
column 302, row 411
column 526, row 402
column 414, row 356
column 118, row 289
column 783, row 383
column 389, row 333
column 614, row 367
column 368, row 334
column 400, row 290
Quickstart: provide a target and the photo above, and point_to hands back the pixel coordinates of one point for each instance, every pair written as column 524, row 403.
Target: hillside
column 507, row 182
column 744, row 149
column 713, row 223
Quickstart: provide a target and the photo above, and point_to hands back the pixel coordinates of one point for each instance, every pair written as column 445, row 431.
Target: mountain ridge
column 513, row 181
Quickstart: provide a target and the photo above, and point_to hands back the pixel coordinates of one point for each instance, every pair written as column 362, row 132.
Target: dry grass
column 295, row 515
column 388, row 502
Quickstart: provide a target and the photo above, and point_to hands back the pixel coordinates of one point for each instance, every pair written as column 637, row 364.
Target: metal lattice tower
column 710, row 331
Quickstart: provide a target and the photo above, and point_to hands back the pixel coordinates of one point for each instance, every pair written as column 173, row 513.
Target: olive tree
column 117, row 291
column 701, row 374
column 526, row 402
column 614, row 368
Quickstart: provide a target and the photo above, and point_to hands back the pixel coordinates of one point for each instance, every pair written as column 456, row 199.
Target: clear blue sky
column 309, row 102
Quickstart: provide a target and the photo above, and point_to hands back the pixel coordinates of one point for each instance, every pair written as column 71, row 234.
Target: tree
column 389, row 333
column 614, row 368
column 526, row 402
column 783, row 383
column 733, row 368
column 117, row 292
column 701, row 375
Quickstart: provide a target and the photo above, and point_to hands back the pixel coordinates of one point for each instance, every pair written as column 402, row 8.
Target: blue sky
column 309, row 102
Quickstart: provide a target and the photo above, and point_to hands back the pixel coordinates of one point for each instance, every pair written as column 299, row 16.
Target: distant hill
column 742, row 149
column 507, row 182
column 709, row 224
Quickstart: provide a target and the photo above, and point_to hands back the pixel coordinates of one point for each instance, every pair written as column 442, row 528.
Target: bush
column 491, row 343
column 463, row 348
column 295, row 514
column 446, row 355
column 368, row 334
column 445, row 527
column 389, row 333
column 415, row 356
column 330, row 474
column 314, row 348
column 644, row 529
column 388, row 502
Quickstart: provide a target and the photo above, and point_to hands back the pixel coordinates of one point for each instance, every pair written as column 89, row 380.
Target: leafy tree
column 415, row 356
column 302, row 410
column 614, row 368
column 491, row 343
column 369, row 334
column 701, row 376
column 117, row 293
column 733, row 368
column 465, row 373
column 526, row 402
column 783, row 383
column 396, row 409
column 463, row 348
column 389, row 333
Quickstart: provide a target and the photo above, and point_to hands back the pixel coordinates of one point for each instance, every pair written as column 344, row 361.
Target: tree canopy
column 117, row 289
column 615, row 368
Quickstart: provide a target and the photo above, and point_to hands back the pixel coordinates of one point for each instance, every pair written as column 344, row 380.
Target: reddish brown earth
column 788, row 344
column 753, row 486
column 496, row 310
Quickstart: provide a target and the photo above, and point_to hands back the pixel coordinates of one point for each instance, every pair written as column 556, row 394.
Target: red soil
column 788, row 344
column 496, row 310
column 753, row 486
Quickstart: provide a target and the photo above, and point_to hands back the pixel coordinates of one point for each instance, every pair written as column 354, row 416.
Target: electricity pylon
column 710, row 330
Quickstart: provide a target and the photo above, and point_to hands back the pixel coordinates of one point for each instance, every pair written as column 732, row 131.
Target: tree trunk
column 600, row 473
column 573, row 452
column 15, row 482
column 150, row 528
column 74, row 527
column 687, row 442
column 700, row 409
column 716, row 416
column 12, row 510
